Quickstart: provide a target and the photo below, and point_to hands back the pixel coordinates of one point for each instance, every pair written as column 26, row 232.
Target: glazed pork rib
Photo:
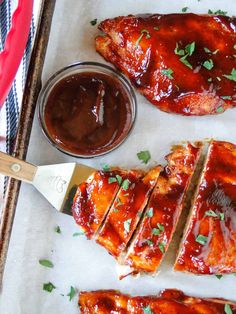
column 182, row 63
column 209, row 242
column 126, row 211
column 169, row 301
column 163, row 211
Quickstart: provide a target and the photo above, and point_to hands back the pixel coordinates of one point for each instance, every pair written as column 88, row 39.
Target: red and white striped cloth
column 9, row 114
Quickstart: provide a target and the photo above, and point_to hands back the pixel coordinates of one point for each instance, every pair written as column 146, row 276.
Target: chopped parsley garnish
column 125, row 184
column 57, row 229
column 185, row 61
column 211, row 213
column 220, row 109
column 190, row 48
column 187, row 51
column 185, row 9
column 150, row 212
column 208, row 64
column 119, row 179
column 48, row 287
column 210, row 79
column 178, row 51
column 209, row 51
column 112, row 180
column 119, row 203
column 105, row 167
column 143, row 32
column 156, row 28
column 149, row 242
column 71, row 294
column 228, row 309
column 232, row 76
column 219, row 276
column 222, row 216
column 127, row 224
column 160, row 226
column 144, row 156
column 93, row 22
column 201, row 239
column 161, row 246
column 46, row 263
column 76, row 234
column 167, row 73
column 147, row 310
column 157, row 231
column 235, row 46
column 218, row 12
column 115, row 210
column 127, row 194
column 218, row 78
column 226, row 97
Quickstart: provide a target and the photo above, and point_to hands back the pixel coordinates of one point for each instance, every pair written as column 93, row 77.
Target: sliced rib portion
column 94, row 198
column 164, row 208
column 126, row 210
column 209, row 242
column 182, row 63
column 170, row 301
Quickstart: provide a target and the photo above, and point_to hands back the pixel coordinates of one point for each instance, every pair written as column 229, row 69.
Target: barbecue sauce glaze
column 88, row 113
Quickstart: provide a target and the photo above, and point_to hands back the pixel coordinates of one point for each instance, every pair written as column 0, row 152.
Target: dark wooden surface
column 32, row 89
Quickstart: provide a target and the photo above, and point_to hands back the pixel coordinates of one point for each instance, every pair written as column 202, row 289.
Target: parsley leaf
column 150, row 212
column 105, row 167
column 71, row 294
column 211, row 213
column 161, row 246
column 119, row 179
column 160, row 226
column 111, row 180
column 57, row 229
column 115, row 210
column 226, row 97
column 208, row 64
column 232, row 76
column 209, row 51
column 178, row 51
column 235, row 46
column 222, row 216
column 219, row 276
column 93, row 22
column 48, row 287
column 127, row 224
column 141, row 36
column 46, row 263
column 76, row 234
column 125, row 184
column 190, row 48
column 156, row 28
column 201, row 239
column 167, row 73
column 228, row 309
column 156, row 231
column 147, row 310
column 144, row 156
column 185, row 9
column 220, row 109
column 149, row 242
column 218, row 12
column 185, row 61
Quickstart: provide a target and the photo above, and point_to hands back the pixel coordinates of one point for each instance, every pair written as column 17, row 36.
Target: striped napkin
column 9, row 114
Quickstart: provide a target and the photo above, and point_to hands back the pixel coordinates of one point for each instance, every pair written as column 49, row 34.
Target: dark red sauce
column 88, row 113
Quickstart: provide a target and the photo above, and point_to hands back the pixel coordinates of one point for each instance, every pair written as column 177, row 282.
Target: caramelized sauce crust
column 148, row 49
column 213, row 217
column 170, row 301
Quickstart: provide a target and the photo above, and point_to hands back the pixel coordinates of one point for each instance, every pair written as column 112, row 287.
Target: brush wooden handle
column 16, row 168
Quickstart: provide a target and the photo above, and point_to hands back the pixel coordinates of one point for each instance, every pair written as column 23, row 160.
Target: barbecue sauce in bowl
column 87, row 114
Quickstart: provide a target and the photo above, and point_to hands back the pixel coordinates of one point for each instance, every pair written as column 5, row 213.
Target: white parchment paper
column 77, row 261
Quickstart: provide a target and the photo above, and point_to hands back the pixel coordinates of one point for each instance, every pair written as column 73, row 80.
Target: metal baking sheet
column 77, row 261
